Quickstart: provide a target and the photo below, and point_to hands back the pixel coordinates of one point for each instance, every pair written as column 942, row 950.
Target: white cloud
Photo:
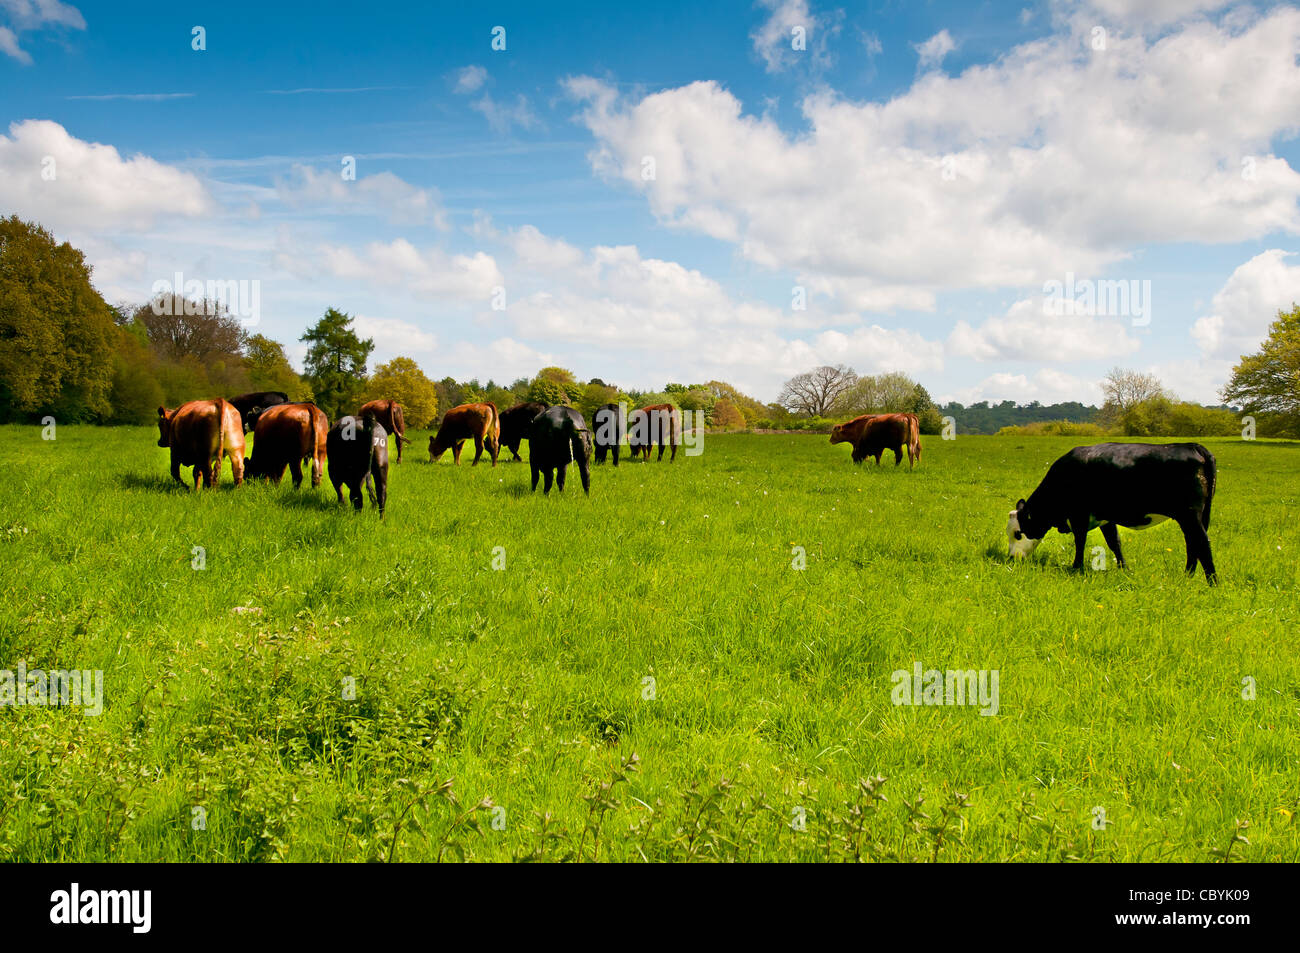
column 400, row 267
column 31, row 15
column 931, row 53
column 1247, row 304
column 1028, row 332
column 382, row 193
column 1052, row 159
column 503, row 116
column 93, row 186
column 1047, row 386
column 395, row 336
column 470, row 78
column 774, row 38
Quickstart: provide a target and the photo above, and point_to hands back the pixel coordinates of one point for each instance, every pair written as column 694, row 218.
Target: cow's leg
column 560, row 471
column 1080, row 529
column 455, row 451
column 354, row 493
column 1198, row 546
column 295, row 468
column 237, row 466
column 176, row 468
column 478, row 449
column 494, row 447
column 536, row 474
column 338, row 488
column 898, row 455
column 317, row 468
column 879, row 454
column 1110, row 532
column 399, row 448
column 615, row 452
column 546, row 483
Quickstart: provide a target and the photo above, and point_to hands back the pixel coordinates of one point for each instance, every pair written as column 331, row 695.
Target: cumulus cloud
column 399, row 266
column 1247, row 304
column 1054, row 158
column 25, row 16
column 382, row 193
column 469, row 79
column 503, row 116
column 775, row 38
column 73, row 186
column 395, row 336
column 1029, row 331
column 931, row 53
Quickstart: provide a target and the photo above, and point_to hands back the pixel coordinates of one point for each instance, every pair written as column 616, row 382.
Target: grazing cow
column 200, row 433
column 515, row 423
column 657, row 424
column 897, row 432
column 250, row 406
column 851, row 431
column 1121, row 484
column 389, row 415
column 358, row 454
column 286, row 435
column 479, row 422
column 556, row 438
column 609, row 432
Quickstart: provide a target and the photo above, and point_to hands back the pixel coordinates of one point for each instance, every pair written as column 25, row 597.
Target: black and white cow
column 1135, row 485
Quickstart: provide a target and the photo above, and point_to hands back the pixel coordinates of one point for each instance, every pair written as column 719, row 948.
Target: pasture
column 472, row 677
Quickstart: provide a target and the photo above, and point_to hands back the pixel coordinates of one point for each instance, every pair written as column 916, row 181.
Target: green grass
column 524, row 688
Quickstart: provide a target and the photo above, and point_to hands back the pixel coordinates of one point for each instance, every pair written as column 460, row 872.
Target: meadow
column 642, row 674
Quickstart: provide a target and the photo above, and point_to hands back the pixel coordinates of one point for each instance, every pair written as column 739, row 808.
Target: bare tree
column 1125, row 388
column 815, row 392
column 179, row 327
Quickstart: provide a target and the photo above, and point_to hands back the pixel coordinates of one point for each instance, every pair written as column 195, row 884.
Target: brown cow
column 285, row 435
column 479, row 422
column 389, row 414
column 651, row 425
column 200, row 432
column 890, row 432
column 851, row 431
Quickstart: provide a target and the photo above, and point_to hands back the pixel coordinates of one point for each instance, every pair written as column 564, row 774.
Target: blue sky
column 920, row 171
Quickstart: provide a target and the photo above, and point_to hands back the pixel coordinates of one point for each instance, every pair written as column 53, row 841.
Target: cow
column 250, row 406
column 358, row 454
column 479, row 422
column 897, row 432
column 610, row 430
column 515, row 422
column 286, row 435
column 556, row 438
column 654, row 425
column 1135, row 485
column 200, row 432
column 851, row 431
column 389, row 415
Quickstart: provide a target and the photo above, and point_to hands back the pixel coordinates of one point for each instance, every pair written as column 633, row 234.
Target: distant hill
column 981, row 417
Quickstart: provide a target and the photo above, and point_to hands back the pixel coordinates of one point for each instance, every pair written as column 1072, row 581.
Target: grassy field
column 641, row 674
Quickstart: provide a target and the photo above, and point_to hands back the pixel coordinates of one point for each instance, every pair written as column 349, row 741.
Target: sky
column 1003, row 200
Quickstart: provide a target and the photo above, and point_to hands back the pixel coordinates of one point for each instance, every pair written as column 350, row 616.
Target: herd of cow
column 1104, row 485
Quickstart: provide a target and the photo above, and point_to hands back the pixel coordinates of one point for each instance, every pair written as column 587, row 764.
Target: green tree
column 136, row 393
column 1268, row 383
column 336, row 363
column 56, row 332
column 402, row 380
column 269, row 368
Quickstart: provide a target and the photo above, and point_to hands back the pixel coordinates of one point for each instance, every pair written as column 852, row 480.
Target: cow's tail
column 221, row 439
column 494, row 424
column 399, row 423
column 914, row 436
column 1211, row 478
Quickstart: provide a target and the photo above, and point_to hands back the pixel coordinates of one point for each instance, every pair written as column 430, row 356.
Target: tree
column 180, row 327
column 56, row 332
column 727, row 416
column 1269, row 382
column 1125, row 389
column 336, row 363
column 269, row 368
column 402, row 380
column 815, row 392
column 547, row 391
column 136, row 392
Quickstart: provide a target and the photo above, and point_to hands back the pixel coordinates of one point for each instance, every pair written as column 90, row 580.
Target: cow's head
column 838, row 435
column 435, row 451
column 1023, row 532
column 164, row 428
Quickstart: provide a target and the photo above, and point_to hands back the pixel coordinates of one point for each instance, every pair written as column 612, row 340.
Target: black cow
column 515, row 423
column 1121, row 484
column 250, row 406
column 558, row 437
column 358, row 452
column 611, row 426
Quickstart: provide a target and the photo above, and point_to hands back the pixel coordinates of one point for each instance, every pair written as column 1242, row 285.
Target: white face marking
column 1017, row 548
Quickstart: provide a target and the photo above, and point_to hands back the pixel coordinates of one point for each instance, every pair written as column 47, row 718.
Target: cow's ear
column 1020, row 505
column 162, row 411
